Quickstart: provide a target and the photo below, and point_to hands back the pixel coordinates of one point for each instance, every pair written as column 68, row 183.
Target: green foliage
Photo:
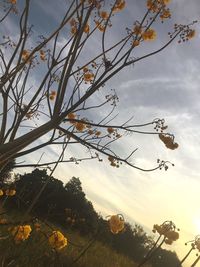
column 62, row 204
column 136, row 241
column 5, row 172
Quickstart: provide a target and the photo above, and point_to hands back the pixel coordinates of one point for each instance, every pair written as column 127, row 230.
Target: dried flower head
column 168, row 140
column 167, row 229
column 137, row 29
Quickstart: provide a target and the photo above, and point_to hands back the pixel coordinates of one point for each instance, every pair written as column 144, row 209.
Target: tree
column 29, row 184
column 165, row 258
column 62, row 204
column 136, row 241
column 69, row 78
column 5, row 172
column 74, row 188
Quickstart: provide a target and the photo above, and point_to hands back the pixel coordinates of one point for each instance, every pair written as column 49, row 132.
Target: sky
column 165, row 86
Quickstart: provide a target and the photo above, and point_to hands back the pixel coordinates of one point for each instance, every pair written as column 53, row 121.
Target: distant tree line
column 67, row 206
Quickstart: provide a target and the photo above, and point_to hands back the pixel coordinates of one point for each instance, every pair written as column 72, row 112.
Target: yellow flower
column 165, row 14
column 25, row 55
column 104, row 15
column 136, row 43
column 98, row 133
column 3, row 221
column 10, row 192
column 73, row 22
column 149, row 35
column 21, row 232
column 52, row 95
column 85, row 69
column 14, row 2
column 191, row 34
column 116, row 223
column 88, row 77
column 110, row 130
column 1, row 192
column 119, row 5
column 86, row 28
column 80, row 126
column 152, row 5
column 71, row 116
column 42, row 55
column 99, row 26
column 73, row 30
column 57, row 240
column 90, row 132
column 166, row 2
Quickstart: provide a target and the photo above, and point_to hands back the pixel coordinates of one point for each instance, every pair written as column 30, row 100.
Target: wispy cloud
column 166, row 85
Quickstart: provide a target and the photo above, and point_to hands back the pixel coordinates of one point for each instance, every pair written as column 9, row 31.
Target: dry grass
column 36, row 252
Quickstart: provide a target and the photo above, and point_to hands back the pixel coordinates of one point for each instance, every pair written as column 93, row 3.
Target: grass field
column 36, row 251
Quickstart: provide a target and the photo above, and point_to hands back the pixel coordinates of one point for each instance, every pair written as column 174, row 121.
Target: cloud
column 165, row 86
